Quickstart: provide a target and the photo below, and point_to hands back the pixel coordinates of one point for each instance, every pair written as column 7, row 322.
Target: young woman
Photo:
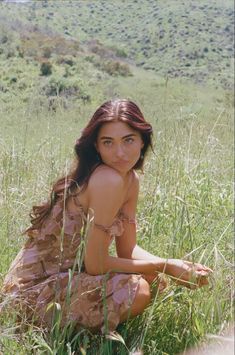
column 88, row 209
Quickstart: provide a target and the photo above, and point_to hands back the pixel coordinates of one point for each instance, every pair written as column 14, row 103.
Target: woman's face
column 119, row 145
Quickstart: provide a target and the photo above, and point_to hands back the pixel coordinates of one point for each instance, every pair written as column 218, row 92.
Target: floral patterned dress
column 49, row 271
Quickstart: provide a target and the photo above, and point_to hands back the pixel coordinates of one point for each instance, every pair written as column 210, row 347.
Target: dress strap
column 124, row 217
column 103, row 228
column 116, row 229
column 117, row 226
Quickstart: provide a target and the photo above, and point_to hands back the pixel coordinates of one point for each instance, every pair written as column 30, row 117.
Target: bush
column 69, row 60
column 115, row 68
column 55, row 87
column 20, row 51
column 121, row 53
column 90, row 58
column 111, row 67
column 10, row 53
column 3, row 88
column 67, row 88
column 13, row 79
column 46, row 68
column 47, row 52
column 4, row 39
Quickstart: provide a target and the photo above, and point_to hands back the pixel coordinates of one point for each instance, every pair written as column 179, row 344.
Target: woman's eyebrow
column 127, row 136
column 104, row 137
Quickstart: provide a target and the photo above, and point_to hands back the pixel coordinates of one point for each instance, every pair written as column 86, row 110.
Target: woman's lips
column 121, row 162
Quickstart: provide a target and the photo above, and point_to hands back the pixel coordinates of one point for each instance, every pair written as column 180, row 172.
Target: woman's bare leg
column 141, row 301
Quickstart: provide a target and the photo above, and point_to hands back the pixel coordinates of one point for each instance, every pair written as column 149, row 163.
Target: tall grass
column 184, row 211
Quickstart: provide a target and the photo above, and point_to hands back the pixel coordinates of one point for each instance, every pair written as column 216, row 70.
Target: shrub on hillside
column 111, row 67
column 116, row 68
column 121, row 53
column 54, row 87
column 20, row 51
column 13, row 80
column 10, row 53
column 46, row 68
column 4, row 39
column 98, row 49
column 90, row 58
column 3, row 87
column 47, row 52
column 66, row 87
column 69, row 60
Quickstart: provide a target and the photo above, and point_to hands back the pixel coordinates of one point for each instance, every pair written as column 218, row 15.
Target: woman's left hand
column 188, row 274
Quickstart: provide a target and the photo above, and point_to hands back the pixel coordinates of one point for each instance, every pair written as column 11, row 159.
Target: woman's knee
column 140, row 302
column 144, row 289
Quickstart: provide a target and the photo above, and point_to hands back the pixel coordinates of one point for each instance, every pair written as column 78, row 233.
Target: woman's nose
column 119, row 151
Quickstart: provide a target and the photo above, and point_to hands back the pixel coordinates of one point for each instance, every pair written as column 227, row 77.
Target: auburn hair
column 86, row 157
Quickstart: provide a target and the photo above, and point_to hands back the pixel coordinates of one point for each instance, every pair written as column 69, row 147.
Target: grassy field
column 173, row 38
column 186, row 199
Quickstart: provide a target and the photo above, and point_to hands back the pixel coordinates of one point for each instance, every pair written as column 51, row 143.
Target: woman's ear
column 96, row 147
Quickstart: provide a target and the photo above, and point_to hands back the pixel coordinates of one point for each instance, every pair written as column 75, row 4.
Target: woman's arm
column 191, row 275
column 114, row 264
column 126, row 244
column 142, row 254
column 105, row 195
column 106, row 192
column 188, row 274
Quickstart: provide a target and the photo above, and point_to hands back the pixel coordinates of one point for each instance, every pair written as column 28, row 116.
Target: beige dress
column 48, row 273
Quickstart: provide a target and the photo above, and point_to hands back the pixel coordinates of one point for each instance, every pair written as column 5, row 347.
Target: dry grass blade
column 115, row 336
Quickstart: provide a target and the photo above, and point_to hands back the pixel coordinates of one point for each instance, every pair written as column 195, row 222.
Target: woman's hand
column 191, row 275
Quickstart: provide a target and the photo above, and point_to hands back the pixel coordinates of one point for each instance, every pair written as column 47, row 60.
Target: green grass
column 185, row 208
column 186, row 199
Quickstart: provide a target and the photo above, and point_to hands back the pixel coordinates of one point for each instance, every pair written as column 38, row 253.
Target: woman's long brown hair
column 87, row 158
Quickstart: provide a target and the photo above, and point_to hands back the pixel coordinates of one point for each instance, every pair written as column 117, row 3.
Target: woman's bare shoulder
column 105, row 176
column 105, row 193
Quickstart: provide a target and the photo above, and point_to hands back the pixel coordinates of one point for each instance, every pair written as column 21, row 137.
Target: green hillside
column 59, row 60
column 171, row 38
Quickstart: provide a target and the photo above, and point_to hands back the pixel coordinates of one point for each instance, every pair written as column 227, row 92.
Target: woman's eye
column 129, row 140
column 107, row 143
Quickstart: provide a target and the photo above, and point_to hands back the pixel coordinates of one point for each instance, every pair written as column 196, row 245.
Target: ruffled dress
column 48, row 275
